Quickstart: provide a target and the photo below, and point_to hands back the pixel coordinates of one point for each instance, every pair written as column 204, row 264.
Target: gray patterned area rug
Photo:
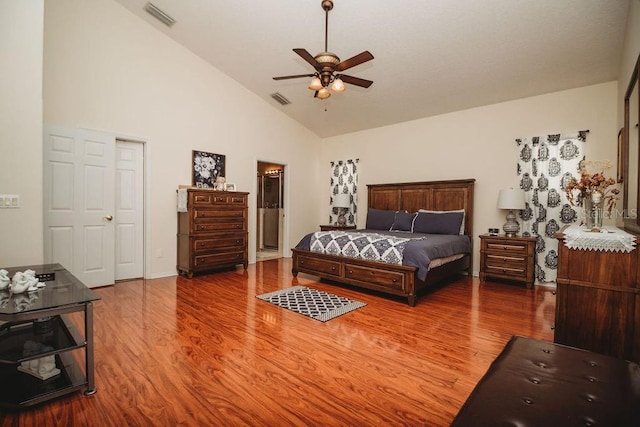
column 313, row 303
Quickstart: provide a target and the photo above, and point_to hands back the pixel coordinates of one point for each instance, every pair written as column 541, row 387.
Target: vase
column 594, row 211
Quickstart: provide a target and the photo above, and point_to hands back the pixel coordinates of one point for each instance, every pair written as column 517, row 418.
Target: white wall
column 21, row 31
column 477, row 143
column 106, row 69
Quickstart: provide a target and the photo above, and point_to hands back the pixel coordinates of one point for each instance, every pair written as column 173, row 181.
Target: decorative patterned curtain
column 344, row 179
column 545, row 166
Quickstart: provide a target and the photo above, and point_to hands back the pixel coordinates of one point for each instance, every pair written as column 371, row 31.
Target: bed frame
column 397, row 279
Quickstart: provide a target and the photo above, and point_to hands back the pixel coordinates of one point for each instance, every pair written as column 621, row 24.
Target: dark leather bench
column 539, row 383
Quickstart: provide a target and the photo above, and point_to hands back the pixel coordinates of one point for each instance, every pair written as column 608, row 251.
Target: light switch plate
column 9, row 201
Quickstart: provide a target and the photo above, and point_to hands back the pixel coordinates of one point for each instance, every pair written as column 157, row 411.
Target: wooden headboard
column 431, row 195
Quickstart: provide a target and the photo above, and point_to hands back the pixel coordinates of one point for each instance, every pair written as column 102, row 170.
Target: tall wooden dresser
column 598, row 300
column 213, row 233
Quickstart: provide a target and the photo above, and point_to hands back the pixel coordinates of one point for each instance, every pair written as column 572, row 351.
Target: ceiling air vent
column 161, row 16
column 280, row 98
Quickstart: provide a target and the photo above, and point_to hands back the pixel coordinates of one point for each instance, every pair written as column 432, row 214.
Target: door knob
column 108, row 217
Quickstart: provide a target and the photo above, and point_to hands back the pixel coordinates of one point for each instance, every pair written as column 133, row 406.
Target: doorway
column 270, row 203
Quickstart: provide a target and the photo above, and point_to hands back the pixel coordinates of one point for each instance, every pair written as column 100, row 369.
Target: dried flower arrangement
column 593, row 184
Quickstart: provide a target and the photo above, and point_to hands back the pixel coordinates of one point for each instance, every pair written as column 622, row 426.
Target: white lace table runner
column 611, row 239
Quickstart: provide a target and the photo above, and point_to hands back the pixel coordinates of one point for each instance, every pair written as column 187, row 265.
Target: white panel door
column 129, row 207
column 59, row 194
column 79, row 203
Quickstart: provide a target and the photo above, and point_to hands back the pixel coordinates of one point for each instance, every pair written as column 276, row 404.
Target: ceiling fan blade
column 355, row 80
column 293, row 77
column 308, row 57
column 355, row 60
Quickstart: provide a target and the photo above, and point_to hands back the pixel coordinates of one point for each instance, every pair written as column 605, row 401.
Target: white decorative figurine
column 4, row 279
column 220, row 183
column 24, row 281
column 42, row 368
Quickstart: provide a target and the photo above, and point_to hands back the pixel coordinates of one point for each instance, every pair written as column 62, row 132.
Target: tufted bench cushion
column 539, row 383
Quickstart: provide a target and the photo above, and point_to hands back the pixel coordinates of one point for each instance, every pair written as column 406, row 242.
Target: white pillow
column 457, row 210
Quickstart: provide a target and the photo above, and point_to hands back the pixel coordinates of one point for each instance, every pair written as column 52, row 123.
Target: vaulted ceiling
column 431, row 56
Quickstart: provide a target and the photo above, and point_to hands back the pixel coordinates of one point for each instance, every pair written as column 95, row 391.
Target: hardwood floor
column 205, row 352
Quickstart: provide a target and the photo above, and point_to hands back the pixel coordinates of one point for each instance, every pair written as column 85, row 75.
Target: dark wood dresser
column 598, row 301
column 213, row 233
column 508, row 258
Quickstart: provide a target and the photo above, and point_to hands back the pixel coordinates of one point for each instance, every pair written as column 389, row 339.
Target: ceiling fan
column 328, row 66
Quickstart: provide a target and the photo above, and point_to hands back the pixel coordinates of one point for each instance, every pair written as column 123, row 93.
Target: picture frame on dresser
column 229, row 187
column 206, row 168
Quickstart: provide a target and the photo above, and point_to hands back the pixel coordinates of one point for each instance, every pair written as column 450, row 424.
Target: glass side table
column 35, row 332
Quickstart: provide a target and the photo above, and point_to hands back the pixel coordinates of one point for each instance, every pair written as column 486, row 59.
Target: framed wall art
column 206, row 168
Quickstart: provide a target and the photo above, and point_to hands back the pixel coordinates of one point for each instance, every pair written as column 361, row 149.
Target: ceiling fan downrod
column 327, row 5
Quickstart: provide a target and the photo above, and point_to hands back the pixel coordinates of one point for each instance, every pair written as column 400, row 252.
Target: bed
column 398, row 279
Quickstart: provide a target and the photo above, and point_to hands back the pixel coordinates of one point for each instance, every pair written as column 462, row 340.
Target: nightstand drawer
column 504, row 247
column 506, row 270
column 520, row 262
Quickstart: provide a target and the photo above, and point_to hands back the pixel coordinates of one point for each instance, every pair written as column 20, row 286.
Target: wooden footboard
column 392, row 279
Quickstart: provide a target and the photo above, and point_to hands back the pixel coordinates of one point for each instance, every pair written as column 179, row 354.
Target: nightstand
column 509, row 258
column 336, row 227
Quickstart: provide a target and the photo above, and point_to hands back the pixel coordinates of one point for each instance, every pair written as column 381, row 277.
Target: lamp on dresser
column 511, row 199
column 342, row 201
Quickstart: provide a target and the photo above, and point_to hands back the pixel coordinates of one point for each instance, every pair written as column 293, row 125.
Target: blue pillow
column 379, row 219
column 403, row 221
column 438, row 223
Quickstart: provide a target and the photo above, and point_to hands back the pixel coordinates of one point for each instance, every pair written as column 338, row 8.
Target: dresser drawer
column 388, row 279
column 321, row 266
column 225, row 242
column 216, row 260
column 221, row 215
column 219, row 226
column 213, row 198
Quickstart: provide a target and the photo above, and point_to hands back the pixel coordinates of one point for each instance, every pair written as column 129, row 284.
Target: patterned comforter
column 369, row 246
column 412, row 249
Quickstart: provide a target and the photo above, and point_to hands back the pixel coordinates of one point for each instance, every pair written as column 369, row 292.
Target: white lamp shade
column 341, row 200
column 338, row 85
column 323, row 93
column 511, row 199
column 315, row 84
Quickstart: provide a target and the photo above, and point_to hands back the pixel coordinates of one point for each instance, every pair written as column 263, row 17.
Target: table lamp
column 511, row 199
column 342, row 201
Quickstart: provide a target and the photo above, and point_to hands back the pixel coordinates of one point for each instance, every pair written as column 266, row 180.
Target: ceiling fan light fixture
column 324, row 93
column 315, row 84
column 337, row 85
